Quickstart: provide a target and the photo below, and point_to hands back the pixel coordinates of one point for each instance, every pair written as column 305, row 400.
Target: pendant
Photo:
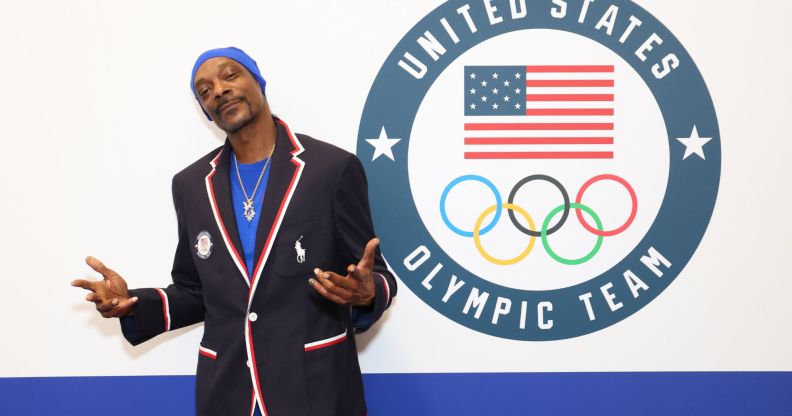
column 248, row 212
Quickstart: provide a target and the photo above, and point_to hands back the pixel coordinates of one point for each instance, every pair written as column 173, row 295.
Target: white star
column 506, row 83
column 517, row 76
column 517, row 106
column 473, row 106
column 495, row 91
column 516, row 90
column 473, row 76
column 694, row 144
column 383, row 145
column 483, row 83
column 495, row 106
column 484, row 98
column 472, row 90
column 495, row 76
column 506, row 98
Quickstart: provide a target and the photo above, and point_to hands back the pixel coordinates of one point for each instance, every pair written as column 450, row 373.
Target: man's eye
column 232, row 75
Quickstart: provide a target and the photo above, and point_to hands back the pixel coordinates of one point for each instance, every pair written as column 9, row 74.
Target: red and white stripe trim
column 216, row 212
column 265, row 252
column 326, row 342
column 253, row 403
column 206, row 352
column 165, row 308
column 387, row 288
column 254, row 369
column 298, row 148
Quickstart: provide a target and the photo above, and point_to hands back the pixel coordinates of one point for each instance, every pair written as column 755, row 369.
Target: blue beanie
column 233, row 53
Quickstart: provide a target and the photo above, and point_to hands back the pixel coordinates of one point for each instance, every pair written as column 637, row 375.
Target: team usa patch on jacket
column 553, row 164
column 203, row 245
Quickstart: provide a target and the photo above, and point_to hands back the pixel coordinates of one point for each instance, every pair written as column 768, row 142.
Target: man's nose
column 220, row 89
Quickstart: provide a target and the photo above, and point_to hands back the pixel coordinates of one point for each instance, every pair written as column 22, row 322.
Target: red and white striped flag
column 539, row 112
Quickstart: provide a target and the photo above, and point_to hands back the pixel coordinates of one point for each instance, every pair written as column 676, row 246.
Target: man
column 257, row 218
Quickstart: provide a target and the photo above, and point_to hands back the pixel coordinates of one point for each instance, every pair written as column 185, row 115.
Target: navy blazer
column 270, row 337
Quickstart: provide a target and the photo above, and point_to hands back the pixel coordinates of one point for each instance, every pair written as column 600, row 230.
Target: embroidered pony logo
column 300, row 250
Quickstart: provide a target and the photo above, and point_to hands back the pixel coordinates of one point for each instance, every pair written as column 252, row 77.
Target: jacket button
column 247, row 363
column 252, row 317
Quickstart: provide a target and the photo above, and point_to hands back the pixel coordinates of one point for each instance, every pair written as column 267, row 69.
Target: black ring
column 558, row 185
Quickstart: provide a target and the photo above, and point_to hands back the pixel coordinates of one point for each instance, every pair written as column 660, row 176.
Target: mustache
column 223, row 101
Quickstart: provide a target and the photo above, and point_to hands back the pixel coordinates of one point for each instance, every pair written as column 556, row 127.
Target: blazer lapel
column 218, row 186
column 285, row 171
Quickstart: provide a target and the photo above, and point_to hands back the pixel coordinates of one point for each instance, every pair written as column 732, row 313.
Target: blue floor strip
column 546, row 394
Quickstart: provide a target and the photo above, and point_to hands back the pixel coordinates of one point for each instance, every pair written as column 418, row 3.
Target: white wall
column 96, row 116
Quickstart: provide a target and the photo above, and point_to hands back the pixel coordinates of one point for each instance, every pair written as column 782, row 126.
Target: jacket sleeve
column 353, row 229
column 178, row 305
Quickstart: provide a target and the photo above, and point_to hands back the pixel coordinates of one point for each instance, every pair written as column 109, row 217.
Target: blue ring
column 492, row 188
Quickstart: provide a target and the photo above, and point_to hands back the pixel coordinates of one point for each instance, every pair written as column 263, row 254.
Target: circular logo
column 203, row 245
column 539, row 170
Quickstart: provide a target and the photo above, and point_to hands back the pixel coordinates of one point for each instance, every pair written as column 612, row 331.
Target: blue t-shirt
column 250, row 173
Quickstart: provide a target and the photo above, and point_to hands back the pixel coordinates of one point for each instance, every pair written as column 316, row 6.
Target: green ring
column 560, row 259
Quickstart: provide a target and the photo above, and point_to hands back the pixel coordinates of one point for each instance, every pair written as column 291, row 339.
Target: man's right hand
column 110, row 294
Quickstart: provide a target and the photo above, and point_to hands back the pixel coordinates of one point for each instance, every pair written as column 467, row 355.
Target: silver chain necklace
column 247, row 205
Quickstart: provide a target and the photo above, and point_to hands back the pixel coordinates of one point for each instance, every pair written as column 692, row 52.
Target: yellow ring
column 486, row 255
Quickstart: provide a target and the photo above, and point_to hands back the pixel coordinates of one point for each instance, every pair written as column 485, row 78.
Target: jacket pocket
column 205, row 380
column 334, row 381
column 206, row 352
column 324, row 343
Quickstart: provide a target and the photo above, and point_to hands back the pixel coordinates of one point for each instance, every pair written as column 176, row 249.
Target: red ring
column 632, row 213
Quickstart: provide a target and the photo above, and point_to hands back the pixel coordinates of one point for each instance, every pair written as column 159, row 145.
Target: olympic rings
column 510, row 207
column 546, row 230
column 558, row 185
column 556, row 257
column 633, row 211
column 455, row 182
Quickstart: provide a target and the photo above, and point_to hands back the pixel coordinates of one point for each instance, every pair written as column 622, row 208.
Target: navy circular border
column 687, row 206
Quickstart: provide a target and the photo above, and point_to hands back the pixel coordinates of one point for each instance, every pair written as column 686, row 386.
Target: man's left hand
column 356, row 288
